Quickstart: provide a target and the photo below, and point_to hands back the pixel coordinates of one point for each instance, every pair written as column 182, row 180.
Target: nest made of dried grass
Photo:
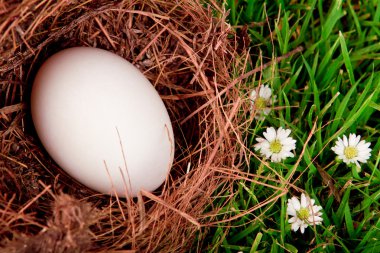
column 188, row 52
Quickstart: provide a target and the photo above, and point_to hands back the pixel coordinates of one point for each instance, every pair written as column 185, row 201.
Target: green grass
column 330, row 89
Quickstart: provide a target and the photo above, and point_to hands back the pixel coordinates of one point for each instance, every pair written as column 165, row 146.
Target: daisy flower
column 352, row 150
column 262, row 101
column 277, row 145
column 304, row 213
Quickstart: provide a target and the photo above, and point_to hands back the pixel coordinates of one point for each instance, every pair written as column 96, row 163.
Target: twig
column 11, row 108
column 105, row 33
column 162, row 202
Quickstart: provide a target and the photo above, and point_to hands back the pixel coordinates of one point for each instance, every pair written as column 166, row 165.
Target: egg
column 102, row 121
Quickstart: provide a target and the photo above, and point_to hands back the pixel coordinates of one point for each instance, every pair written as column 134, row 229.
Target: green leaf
column 348, row 219
column 290, row 248
column 346, row 58
column 335, row 13
column 256, row 242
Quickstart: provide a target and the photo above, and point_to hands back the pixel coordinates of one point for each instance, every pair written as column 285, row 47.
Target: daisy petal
column 295, row 226
column 276, row 144
column 352, row 149
column 304, row 213
column 345, row 141
column 270, row 134
column 303, row 200
column 253, row 95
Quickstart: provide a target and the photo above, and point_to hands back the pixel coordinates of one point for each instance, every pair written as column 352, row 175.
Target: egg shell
column 102, row 121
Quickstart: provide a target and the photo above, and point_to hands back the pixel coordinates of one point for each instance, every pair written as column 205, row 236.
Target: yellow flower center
column 350, row 152
column 303, row 214
column 260, row 103
column 275, row 146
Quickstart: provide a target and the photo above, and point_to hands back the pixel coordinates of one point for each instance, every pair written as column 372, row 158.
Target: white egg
column 102, row 121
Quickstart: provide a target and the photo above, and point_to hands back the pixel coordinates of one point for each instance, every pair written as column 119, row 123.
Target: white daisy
column 277, row 145
column 352, row 150
column 304, row 213
column 261, row 102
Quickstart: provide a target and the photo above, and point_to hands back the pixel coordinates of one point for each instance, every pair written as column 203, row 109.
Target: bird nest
column 188, row 52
